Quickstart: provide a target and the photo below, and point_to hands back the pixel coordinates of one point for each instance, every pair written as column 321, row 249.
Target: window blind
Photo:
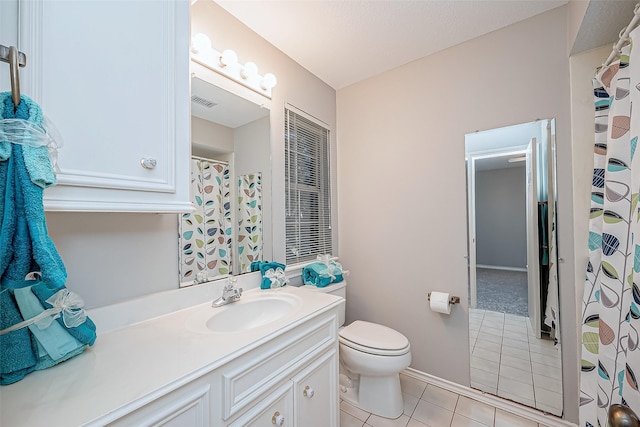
column 307, row 188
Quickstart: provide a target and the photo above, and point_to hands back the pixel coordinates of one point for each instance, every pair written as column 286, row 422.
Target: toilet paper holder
column 452, row 299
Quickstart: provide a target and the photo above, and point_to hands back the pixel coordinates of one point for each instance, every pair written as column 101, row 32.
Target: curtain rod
column 624, row 36
column 221, row 162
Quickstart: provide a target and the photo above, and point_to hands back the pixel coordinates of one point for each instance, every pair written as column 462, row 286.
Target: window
column 307, row 187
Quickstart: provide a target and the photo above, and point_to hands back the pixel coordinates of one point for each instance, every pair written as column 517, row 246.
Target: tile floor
column 507, row 360
column 426, row 405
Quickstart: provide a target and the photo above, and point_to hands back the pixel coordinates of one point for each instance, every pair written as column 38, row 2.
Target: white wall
column 582, row 69
column 402, row 182
column 253, row 155
column 116, row 257
column 213, row 136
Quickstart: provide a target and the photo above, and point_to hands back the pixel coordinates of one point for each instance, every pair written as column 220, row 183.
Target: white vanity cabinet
column 308, row 400
column 113, row 77
column 287, row 379
column 290, row 381
column 177, row 369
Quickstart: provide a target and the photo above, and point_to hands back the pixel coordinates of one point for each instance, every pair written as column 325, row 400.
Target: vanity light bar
column 226, row 63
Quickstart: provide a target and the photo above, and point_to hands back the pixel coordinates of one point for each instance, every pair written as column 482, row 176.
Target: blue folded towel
column 263, row 267
column 320, row 275
column 54, row 343
column 85, row 333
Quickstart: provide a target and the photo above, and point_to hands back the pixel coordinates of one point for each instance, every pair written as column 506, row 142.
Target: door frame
column 472, row 158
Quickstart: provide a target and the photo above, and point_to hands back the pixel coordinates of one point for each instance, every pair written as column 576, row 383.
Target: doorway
column 510, row 185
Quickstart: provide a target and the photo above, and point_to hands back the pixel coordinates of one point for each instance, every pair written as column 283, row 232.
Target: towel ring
column 15, row 76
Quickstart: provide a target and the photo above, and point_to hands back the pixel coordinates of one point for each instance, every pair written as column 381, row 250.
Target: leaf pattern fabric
column 610, row 306
column 249, row 220
column 205, row 234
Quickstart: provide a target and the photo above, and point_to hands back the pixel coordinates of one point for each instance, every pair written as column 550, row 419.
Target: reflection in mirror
column 230, row 186
column 249, row 220
column 513, row 286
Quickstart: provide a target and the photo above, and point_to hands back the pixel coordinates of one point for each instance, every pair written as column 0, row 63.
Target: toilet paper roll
column 440, row 302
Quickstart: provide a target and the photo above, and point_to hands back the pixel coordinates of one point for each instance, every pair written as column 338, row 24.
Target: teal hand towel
column 318, row 274
column 55, row 344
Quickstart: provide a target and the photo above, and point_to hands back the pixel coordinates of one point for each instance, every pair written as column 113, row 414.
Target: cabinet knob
column 149, row 163
column 308, row 392
column 277, row 419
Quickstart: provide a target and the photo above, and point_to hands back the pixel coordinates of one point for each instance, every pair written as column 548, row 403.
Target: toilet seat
column 373, row 338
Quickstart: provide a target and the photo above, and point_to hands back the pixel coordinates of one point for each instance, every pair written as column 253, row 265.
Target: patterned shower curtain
column 611, row 304
column 249, row 220
column 205, row 234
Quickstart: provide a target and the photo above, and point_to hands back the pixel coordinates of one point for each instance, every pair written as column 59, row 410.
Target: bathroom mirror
column 230, row 185
column 514, row 337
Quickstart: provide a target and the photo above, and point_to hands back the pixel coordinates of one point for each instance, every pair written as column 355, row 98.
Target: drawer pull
column 308, row 392
column 277, row 419
column 149, row 163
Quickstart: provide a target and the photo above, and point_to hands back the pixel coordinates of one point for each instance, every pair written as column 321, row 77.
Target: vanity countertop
column 129, row 367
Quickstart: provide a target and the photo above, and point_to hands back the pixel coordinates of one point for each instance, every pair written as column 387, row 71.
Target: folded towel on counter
column 54, row 343
column 85, row 332
column 321, row 274
column 263, row 267
column 276, row 278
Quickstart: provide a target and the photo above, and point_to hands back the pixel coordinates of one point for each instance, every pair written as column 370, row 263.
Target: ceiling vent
column 202, row 101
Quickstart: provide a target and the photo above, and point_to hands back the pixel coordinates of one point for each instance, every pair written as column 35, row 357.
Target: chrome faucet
column 229, row 294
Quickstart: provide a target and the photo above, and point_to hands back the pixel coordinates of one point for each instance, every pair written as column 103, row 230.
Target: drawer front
column 251, row 375
column 276, row 409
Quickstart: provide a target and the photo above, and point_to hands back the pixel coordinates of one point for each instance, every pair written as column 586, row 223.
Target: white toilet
column 371, row 359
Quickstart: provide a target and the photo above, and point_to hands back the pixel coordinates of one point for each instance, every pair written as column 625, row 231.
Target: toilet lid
column 374, row 336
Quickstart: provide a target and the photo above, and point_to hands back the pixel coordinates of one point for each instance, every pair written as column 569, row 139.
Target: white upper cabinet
column 113, row 77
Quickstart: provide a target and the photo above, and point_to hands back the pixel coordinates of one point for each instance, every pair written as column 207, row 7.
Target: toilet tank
column 339, row 289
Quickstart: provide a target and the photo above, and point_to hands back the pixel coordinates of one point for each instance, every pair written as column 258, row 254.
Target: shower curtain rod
column 222, row 162
column 624, row 37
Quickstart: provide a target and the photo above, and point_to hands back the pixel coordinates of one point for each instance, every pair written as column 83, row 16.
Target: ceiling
column 344, row 42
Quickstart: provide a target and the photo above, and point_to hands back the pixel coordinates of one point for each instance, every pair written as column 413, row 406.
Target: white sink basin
column 253, row 310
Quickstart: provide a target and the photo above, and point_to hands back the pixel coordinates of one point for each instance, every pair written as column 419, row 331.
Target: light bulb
column 268, row 81
column 250, row 69
column 200, row 43
column 228, row 57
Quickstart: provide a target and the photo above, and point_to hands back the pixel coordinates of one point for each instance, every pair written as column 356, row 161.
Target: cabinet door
column 113, row 77
column 316, row 393
column 275, row 409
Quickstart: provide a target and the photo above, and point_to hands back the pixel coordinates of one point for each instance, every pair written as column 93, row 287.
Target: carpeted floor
column 502, row 291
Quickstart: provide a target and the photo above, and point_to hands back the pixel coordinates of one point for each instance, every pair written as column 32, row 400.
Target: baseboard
column 495, row 401
column 500, row 267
